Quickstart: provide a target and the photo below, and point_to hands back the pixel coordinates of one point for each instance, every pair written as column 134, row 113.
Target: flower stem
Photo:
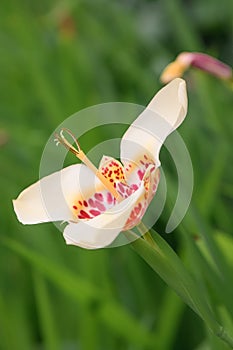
column 164, row 261
column 145, row 233
column 225, row 337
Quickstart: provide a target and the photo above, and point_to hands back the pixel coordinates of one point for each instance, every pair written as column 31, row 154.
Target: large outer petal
column 148, row 132
column 51, row 198
column 102, row 230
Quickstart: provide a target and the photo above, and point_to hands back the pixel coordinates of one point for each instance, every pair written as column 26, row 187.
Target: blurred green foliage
column 55, row 59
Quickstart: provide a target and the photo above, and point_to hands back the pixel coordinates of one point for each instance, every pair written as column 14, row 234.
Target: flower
column 199, row 60
column 99, row 203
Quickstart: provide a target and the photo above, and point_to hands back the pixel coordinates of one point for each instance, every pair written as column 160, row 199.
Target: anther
column 61, row 139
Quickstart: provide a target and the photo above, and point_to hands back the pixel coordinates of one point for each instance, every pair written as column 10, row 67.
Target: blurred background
column 57, row 57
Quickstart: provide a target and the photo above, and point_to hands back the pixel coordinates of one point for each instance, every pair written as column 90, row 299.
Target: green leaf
column 110, row 313
column 45, row 312
column 167, row 264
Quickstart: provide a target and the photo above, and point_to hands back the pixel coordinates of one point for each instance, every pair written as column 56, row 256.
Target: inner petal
column 98, row 202
column 114, row 172
column 112, row 169
column 94, row 205
column 150, row 181
column 136, row 170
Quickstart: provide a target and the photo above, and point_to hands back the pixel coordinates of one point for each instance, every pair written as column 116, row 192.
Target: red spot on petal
column 74, row 207
column 80, row 202
column 84, row 214
column 111, row 180
column 85, row 203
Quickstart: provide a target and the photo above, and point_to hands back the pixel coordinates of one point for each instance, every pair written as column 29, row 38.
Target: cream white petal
column 103, row 229
column 165, row 113
column 50, row 199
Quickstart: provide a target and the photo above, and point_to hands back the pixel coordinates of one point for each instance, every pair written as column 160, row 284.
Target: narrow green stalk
column 225, row 337
column 164, row 261
column 45, row 312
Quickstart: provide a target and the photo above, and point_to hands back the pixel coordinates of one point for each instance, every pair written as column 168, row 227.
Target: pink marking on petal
column 91, row 202
column 100, row 206
column 109, row 198
column 152, row 169
column 134, row 187
column 137, row 210
column 133, row 215
column 121, row 188
column 95, row 212
column 99, row 196
column 140, row 174
column 128, row 191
